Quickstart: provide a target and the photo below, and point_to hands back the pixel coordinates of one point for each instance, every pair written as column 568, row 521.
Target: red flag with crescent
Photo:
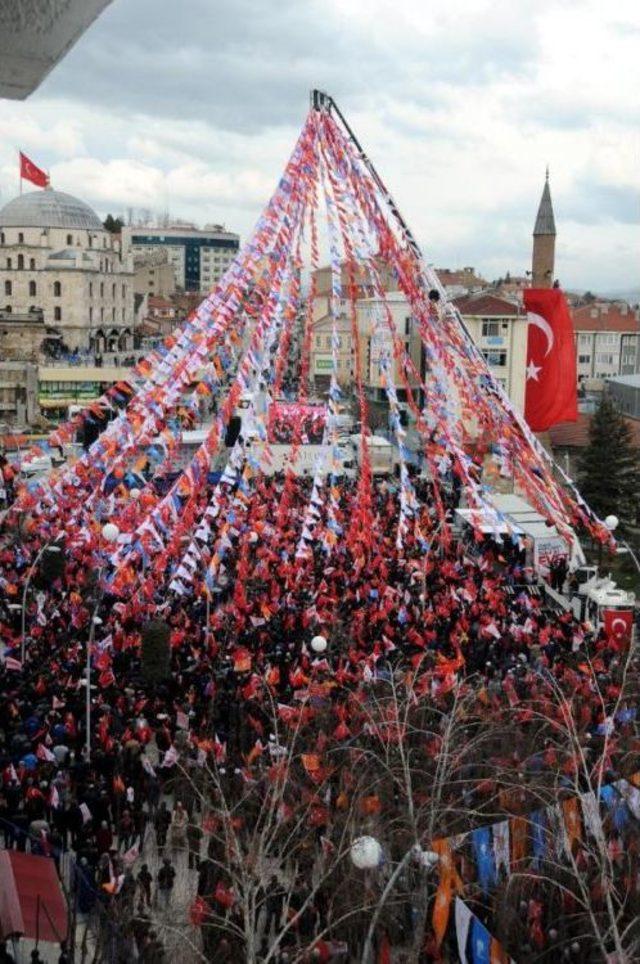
column 31, row 172
column 551, row 380
column 618, row 624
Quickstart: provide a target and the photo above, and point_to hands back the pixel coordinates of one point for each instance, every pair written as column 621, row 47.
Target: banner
column 290, row 420
column 551, row 379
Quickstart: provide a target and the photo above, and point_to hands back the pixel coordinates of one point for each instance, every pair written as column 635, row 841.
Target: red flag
column 551, row 380
column 618, row 624
column 30, row 172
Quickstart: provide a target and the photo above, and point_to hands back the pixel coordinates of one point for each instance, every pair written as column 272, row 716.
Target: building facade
column 153, row 274
column 607, row 340
column 498, row 326
column 57, row 258
column 198, row 258
column 499, row 329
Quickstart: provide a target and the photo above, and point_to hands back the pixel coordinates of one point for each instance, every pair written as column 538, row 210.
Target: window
column 102, row 314
column 497, row 359
column 8, row 309
column 20, row 237
column 20, row 262
column 32, row 288
column 91, row 289
column 102, row 289
column 57, row 313
column 57, row 289
column 407, row 326
column 490, row 329
column 69, row 239
column 7, row 288
column 124, row 291
column 32, row 264
column 584, row 359
column 318, row 341
column 90, row 314
column 2, row 238
column 9, row 263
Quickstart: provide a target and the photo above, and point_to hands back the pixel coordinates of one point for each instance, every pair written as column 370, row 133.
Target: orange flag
column 450, row 882
column 518, row 834
column 498, row 953
column 572, row 820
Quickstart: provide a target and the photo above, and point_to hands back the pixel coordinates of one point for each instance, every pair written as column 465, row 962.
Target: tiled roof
column 609, row 317
column 576, row 434
column 487, row 305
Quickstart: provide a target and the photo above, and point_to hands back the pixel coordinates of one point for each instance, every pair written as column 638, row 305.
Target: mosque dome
column 49, row 209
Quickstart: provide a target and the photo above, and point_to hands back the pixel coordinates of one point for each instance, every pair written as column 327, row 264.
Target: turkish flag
column 30, row 172
column 551, row 385
column 618, row 624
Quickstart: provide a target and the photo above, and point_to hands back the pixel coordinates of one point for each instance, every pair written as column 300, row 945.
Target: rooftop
column 487, row 306
column 46, row 208
column 576, row 434
column 629, row 381
column 607, row 317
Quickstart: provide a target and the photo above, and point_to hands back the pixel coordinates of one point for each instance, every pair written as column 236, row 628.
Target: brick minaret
column 544, row 241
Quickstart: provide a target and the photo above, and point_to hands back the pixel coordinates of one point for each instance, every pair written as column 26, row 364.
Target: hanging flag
column 31, row 172
column 480, row 942
column 463, row 923
column 618, row 624
column 551, row 380
column 481, row 839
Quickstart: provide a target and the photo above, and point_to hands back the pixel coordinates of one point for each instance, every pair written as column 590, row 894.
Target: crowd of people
column 463, row 614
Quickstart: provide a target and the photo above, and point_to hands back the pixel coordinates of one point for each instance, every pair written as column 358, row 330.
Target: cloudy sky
column 193, row 107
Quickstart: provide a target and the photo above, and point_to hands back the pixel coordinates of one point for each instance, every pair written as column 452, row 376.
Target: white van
column 381, row 452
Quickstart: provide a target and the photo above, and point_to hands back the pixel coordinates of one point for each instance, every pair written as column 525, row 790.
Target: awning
column 31, row 900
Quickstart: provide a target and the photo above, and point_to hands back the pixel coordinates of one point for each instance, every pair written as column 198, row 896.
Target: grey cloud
column 249, row 64
column 592, row 202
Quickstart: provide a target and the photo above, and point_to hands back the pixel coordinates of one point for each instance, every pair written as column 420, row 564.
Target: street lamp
column 110, row 533
column 611, row 523
column 319, row 645
column 47, row 547
column 367, row 854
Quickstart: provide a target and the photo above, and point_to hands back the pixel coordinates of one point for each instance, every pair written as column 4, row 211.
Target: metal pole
column 208, row 618
column 92, row 630
column 32, row 569
column 368, row 944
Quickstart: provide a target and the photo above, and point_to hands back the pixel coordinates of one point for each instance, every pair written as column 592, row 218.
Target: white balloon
column 366, row 853
column 110, row 532
column 318, row 644
column 611, row 522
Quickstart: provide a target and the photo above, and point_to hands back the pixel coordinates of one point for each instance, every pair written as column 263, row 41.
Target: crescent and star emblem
column 533, row 318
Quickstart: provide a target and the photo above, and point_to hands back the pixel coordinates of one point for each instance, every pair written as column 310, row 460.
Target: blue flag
column 480, row 943
column 485, row 859
column 538, row 834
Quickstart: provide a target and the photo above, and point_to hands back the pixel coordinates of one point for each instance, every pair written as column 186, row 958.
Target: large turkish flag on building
column 551, row 386
column 618, row 624
column 30, row 172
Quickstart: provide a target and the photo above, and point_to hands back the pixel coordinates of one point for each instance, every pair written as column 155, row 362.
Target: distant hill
column 632, row 295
